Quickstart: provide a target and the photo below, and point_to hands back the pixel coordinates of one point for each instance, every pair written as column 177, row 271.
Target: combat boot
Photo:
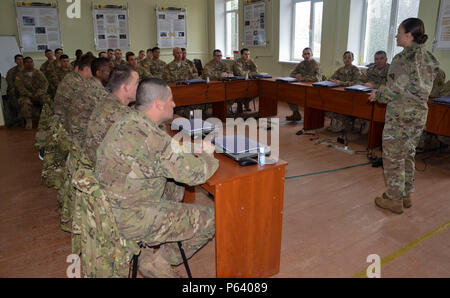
column 296, row 116
column 395, row 206
column 152, row 264
column 407, row 202
column 29, row 124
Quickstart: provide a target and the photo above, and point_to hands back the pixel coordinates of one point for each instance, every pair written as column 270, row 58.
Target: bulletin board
column 255, row 24
column 111, row 29
column 442, row 36
column 171, row 27
column 38, row 26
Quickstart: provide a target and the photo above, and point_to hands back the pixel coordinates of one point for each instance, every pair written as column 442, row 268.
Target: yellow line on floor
column 406, row 248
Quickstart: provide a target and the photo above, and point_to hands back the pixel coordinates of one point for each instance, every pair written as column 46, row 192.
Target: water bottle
column 261, row 156
column 207, row 80
column 246, row 76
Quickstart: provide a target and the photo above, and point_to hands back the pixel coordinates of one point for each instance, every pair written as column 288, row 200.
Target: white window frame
column 311, row 25
column 236, row 12
column 390, row 50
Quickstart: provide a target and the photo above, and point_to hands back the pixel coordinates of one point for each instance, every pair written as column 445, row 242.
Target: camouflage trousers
column 56, row 151
column 44, row 127
column 75, row 159
column 293, row 107
column 399, row 150
column 26, row 107
column 339, row 122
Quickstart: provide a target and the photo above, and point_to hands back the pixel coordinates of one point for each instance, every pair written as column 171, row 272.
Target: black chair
column 135, row 261
column 198, row 65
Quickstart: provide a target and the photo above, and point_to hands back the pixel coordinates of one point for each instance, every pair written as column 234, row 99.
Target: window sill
column 291, row 62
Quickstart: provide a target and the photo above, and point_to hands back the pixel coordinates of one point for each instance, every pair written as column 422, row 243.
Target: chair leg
column 134, row 268
column 186, row 265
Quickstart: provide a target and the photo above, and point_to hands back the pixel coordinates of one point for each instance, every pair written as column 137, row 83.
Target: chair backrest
column 104, row 253
column 199, row 66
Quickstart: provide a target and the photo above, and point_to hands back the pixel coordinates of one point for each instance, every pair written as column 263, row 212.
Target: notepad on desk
column 326, row 84
column 261, row 76
column 359, row 88
column 191, row 82
column 442, row 100
column 286, row 80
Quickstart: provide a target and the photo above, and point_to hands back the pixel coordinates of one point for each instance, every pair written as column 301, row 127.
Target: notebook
column 238, row 147
column 287, row 80
column 359, row 88
column 260, row 76
column 442, row 100
column 191, row 82
column 233, row 79
column 326, row 84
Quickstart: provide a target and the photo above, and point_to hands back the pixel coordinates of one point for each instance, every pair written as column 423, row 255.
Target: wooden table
column 249, row 215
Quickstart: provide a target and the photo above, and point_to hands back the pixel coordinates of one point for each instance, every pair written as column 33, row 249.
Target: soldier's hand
column 372, row 97
column 298, row 77
column 224, row 75
column 369, row 85
column 208, row 147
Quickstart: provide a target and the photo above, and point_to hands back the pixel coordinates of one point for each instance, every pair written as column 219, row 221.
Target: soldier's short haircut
column 58, row 49
column 48, row 50
column 119, row 76
column 85, row 61
column 149, row 50
column 348, row 52
column 64, row 56
column 307, row 48
column 110, row 50
column 27, row 58
column 99, row 64
column 148, row 91
column 78, row 52
column 128, row 55
column 216, row 51
column 243, row 50
column 100, row 54
column 381, row 53
column 17, row 56
column 183, row 49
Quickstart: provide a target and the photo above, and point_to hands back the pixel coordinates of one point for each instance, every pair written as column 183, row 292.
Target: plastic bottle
column 207, row 80
column 261, row 156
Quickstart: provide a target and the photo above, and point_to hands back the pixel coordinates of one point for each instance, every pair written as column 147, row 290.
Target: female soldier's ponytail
column 416, row 27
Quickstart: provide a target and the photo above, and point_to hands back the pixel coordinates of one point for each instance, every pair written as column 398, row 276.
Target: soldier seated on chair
column 140, row 168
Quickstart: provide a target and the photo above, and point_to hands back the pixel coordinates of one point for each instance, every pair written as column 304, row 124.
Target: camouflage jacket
column 44, row 66
column 348, row 77
column 214, row 70
column 410, row 80
column 81, row 108
column 309, row 71
column 27, row 86
column 122, row 62
column 376, row 76
column 71, row 84
column 145, row 63
column 157, row 68
column 134, row 162
column 192, row 66
column 108, row 110
column 438, row 84
column 445, row 91
column 177, row 73
column 56, row 76
column 241, row 68
column 10, row 79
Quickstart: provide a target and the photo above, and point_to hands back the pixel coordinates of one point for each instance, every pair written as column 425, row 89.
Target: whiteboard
column 38, row 27
column 442, row 36
column 8, row 49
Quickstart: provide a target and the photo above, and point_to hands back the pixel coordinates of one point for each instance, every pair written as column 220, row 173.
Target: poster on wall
column 171, row 27
column 442, row 37
column 254, row 24
column 111, row 27
column 38, row 26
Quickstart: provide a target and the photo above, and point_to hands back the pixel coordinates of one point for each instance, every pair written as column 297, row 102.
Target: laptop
column 238, row 147
column 359, row 88
column 287, row 80
column 326, row 84
column 195, row 128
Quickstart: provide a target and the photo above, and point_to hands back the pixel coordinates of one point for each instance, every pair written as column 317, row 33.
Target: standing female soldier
column 410, row 80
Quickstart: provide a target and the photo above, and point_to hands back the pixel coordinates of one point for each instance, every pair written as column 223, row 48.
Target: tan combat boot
column 152, row 264
column 407, row 202
column 396, row 206
column 29, row 124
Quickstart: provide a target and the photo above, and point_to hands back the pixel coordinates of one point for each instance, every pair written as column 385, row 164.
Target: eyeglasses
column 218, row 55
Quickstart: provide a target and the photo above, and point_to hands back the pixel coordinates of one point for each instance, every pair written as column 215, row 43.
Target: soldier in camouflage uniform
column 156, row 65
column 133, row 64
column 77, row 119
column 78, row 54
column 56, row 76
column 57, row 144
column 134, row 163
column 145, row 63
column 118, row 58
column 216, row 69
column 438, row 84
column 347, row 75
column 376, row 75
column 244, row 66
column 410, row 80
column 306, row 71
column 51, row 69
column 31, row 85
column 50, row 58
column 12, row 94
column 110, row 108
column 185, row 59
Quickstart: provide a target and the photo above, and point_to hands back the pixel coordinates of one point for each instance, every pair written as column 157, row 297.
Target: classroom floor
column 330, row 223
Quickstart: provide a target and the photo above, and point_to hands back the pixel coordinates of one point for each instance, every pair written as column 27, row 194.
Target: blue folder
column 326, row 84
column 287, row 80
column 442, row 100
column 359, row 88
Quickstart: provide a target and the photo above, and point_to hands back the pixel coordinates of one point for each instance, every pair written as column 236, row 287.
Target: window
column 379, row 22
column 307, row 27
column 231, row 27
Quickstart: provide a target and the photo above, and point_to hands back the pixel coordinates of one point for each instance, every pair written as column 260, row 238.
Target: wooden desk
column 249, row 216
